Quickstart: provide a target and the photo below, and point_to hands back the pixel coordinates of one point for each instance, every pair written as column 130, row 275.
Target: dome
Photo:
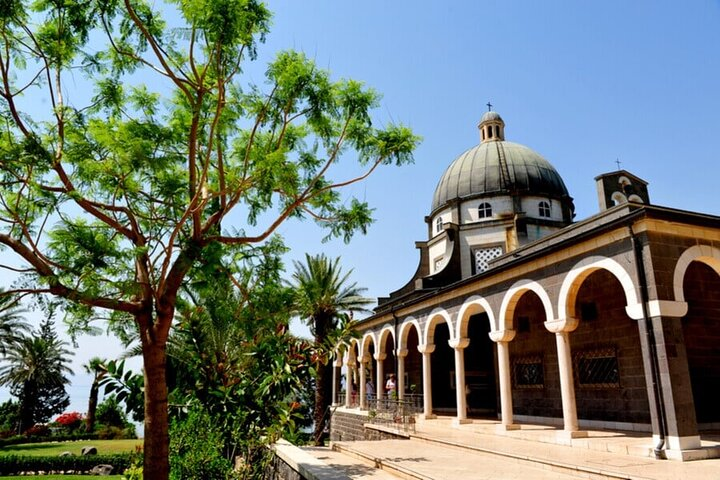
column 497, row 167
column 491, row 115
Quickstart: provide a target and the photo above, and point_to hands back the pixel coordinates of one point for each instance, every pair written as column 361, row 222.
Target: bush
column 37, row 431
column 17, row 464
column 110, row 414
column 197, row 457
column 116, row 433
column 70, row 420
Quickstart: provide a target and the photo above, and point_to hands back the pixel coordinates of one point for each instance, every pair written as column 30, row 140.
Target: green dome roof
column 479, row 172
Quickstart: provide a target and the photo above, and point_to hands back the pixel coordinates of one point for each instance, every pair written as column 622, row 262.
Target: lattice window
column 597, row 368
column 544, row 209
column 439, row 225
column 483, row 256
column 484, row 210
column 527, row 372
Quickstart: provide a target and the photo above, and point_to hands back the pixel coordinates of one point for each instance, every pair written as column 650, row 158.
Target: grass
column 104, row 447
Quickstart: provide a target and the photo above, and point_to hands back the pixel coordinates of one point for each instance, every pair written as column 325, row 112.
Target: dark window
column 497, row 131
column 484, row 210
column 597, row 369
column 528, row 372
column 523, row 324
column 588, row 311
column 489, row 130
column 544, row 209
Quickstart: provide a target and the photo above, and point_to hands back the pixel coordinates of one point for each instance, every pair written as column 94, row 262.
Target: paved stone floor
column 438, row 450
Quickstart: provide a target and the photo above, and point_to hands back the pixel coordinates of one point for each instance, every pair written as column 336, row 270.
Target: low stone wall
column 349, row 425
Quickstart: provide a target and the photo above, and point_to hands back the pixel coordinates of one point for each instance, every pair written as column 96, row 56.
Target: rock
column 89, row 451
column 102, row 470
column 66, row 454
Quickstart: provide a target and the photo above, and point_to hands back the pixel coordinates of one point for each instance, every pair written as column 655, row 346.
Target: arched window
column 544, row 209
column 438, row 225
column 484, row 210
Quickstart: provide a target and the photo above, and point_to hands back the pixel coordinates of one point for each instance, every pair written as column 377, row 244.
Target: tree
column 36, row 371
column 93, row 367
column 323, row 299
column 12, row 324
column 109, row 201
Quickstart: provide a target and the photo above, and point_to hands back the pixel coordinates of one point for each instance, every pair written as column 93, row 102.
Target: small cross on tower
column 618, row 163
column 489, row 105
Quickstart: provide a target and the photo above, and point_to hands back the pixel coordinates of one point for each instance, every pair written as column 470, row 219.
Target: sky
column 585, row 84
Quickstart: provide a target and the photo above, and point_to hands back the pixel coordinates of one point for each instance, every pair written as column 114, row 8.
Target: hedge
column 16, row 464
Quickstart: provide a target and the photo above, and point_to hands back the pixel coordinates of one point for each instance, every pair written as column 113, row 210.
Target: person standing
column 391, row 386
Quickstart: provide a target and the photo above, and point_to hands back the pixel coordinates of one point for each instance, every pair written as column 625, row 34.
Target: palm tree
column 94, row 367
column 35, row 369
column 12, row 324
column 323, row 297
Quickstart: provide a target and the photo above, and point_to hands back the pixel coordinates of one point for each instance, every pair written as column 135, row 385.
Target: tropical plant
column 94, row 367
column 115, row 191
column 36, row 369
column 12, row 323
column 325, row 300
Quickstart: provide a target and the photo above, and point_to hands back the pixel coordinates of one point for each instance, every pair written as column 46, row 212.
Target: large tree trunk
column 323, row 382
column 92, row 405
column 157, row 438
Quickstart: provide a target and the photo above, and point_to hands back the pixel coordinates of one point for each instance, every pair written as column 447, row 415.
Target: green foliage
column 197, row 457
column 9, row 417
column 12, row 323
column 16, row 464
column 110, row 414
column 46, row 437
column 36, row 370
column 125, row 386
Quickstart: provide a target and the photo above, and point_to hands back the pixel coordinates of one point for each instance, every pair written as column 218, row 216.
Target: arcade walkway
column 477, row 451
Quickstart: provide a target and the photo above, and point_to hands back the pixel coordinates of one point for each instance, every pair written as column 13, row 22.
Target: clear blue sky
column 582, row 83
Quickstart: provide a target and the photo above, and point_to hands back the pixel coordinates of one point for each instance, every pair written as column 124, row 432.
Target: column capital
column 658, row 308
column 459, row 343
column 365, row 358
column 402, row 352
column 426, row 349
column 560, row 325
column 502, row 335
column 380, row 356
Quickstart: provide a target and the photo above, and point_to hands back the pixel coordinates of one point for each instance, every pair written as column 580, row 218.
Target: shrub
column 70, row 420
column 17, row 464
column 197, row 457
column 37, row 431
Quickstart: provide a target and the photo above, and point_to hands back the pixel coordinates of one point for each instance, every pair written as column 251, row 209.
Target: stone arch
column 577, row 275
column 367, row 340
column 405, row 327
column 386, row 331
column 511, row 298
column 702, row 253
column 433, row 319
column 471, row 306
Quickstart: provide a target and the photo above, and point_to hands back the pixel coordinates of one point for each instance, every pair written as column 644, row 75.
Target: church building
column 519, row 313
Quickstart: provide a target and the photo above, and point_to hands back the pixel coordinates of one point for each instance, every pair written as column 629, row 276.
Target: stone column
column 562, row 328
column 401, row 354
column 363, row 396
column 502, row 338
column 334, row 385
column 379, row 376
column 349, row 365
column 426, row 351
column 459, row 347
column 677, row 398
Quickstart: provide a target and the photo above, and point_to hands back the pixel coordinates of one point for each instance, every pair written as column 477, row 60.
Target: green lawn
column 104, row 447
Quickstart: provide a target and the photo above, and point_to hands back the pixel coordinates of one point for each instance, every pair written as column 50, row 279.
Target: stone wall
column 349, row 425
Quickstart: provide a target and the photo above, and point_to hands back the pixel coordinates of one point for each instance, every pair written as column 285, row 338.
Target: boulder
column 102, row 470
column 66, row 454
column 89, row 450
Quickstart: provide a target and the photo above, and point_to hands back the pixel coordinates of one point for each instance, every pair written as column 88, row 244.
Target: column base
column 507, row 428
column 565, row 437
column 429, row 416
column 460, row 421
